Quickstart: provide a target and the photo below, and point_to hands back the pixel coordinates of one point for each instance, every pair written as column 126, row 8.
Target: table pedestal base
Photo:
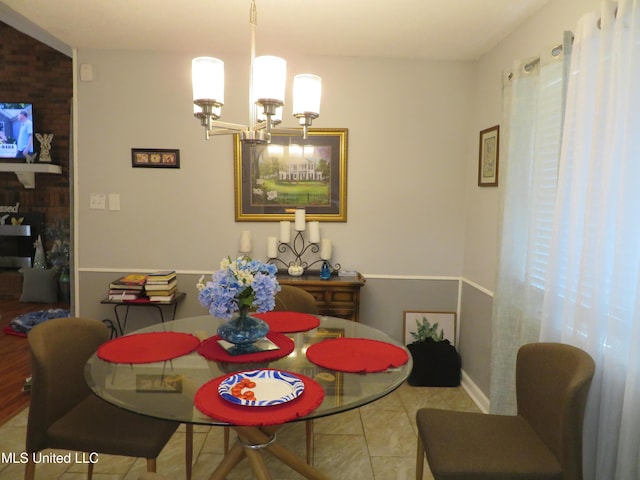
column 253, row 439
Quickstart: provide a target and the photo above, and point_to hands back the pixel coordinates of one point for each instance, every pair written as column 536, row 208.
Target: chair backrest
column 552, row 384
column 295, row 299
column 59, row 350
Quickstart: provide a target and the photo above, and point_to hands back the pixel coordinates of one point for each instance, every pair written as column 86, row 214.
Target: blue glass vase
column 243, row 331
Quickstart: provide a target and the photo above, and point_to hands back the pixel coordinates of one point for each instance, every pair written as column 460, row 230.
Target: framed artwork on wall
column 155, row 158
column 446, row 322
column 272, row 180
column 489, row 157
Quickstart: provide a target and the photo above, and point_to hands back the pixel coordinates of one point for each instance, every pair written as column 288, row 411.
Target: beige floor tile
column 375, row 442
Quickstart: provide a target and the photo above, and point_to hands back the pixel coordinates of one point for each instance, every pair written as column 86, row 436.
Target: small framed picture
column 489, row 157
column 155, row 158
column 443, row 324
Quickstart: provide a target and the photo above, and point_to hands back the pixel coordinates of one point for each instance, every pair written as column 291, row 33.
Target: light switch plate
column 114, row 201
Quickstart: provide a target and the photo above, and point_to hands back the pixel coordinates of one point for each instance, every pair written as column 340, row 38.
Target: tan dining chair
column 292, row 299
column 295, row 299
column 65, row 414
column 544, row 439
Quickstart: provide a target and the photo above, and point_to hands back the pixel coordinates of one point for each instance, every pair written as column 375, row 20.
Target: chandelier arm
column 218, row 125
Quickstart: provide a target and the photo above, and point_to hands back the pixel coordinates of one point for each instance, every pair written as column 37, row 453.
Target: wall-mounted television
column 17, row 134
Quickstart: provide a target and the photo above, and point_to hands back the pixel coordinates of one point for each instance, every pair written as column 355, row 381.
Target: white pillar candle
column 245, row 241
column 285, row 231
column 314, row 232
column 272, row 247
column 300, row 219
column 325, row 249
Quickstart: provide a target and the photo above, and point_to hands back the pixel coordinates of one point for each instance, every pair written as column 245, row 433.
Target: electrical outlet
column 97, row 201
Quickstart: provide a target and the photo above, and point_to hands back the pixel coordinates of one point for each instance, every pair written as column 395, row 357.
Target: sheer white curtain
column 533, row 106
column 570, row 245
column 592, row 287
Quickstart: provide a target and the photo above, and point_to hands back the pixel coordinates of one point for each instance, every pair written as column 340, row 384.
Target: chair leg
column 189, row 449
column 30, row 468
column 309, row 425
column 152, row 465
column 226, row 439
column 419, row 459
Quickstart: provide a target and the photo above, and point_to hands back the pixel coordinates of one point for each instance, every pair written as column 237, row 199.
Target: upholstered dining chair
column 295, row 299
column 544, row 439
column 65, row 414
column 292, row 299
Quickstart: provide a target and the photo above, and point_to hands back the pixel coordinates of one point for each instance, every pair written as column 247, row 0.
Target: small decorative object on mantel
column 238, row 286
column 300, row 247
column 45, row 146
column 39, row 259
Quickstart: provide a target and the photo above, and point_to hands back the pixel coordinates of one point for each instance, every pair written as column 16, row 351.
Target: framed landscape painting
column 272, row 180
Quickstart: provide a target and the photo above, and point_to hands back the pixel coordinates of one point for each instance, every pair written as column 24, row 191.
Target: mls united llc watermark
column 49, row 457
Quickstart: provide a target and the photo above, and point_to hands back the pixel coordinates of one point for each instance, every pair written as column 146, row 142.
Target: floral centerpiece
column 239, row 286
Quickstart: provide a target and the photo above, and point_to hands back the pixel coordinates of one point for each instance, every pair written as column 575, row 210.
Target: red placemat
column 211, row 350
column 10, row 331
column 209, row 402
column 148, row 347
column 288, row 322
column 356, row 355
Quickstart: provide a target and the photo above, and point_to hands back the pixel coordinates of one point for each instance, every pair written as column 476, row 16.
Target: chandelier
column 267, row 80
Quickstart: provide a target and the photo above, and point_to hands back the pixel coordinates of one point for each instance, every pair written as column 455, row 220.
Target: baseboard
column 478, row 397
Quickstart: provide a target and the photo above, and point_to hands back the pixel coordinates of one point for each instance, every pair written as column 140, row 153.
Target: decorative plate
column 261, row 388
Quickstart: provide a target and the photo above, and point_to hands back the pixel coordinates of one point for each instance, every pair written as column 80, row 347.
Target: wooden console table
column 337, row 297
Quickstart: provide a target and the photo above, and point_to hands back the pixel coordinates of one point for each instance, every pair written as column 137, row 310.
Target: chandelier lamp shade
column 267, row 83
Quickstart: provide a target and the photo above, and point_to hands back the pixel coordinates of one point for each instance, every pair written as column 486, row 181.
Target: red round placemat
column 288, row 322
column 209, row 402
column 356, row 355
column 211, row 350
column 148, row 347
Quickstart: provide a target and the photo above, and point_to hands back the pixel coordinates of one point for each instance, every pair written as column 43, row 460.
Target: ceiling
column 433, row 29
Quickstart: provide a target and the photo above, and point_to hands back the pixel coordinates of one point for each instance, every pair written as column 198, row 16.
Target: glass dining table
column 168, row 389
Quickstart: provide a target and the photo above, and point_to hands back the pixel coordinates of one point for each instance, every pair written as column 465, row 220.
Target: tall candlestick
column 285, row 231
column 272, row 247
column 300, row 219
column 245, row 241
column 314, row 232
column 325, row 249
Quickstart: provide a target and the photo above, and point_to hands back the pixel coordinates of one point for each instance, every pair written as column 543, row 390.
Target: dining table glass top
column 166, row 389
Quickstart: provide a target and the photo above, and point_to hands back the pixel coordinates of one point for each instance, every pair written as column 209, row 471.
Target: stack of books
column 161, row 286
column 128, row 288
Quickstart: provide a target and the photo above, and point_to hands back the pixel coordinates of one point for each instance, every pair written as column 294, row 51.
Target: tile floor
column 375, row 442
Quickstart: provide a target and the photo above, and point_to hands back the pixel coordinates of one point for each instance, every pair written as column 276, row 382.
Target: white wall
column 414, row 207
column 542, row 30
column 405, row 164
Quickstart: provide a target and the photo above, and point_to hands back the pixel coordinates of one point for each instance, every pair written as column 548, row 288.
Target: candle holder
column 297, row 249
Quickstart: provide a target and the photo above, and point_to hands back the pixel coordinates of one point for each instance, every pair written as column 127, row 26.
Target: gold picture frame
column 272, row 180
column 489, row 157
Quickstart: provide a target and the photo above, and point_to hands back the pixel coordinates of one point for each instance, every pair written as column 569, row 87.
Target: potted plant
column 436, row 363
column 58, row 254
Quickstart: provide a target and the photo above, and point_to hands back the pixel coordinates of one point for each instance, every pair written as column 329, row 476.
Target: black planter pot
column 435, row 364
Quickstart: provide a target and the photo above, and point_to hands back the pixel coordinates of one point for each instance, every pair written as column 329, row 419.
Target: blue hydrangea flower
column 241, row 283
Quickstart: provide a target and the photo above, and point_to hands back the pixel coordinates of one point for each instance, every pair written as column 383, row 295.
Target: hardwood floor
column 15, row 362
